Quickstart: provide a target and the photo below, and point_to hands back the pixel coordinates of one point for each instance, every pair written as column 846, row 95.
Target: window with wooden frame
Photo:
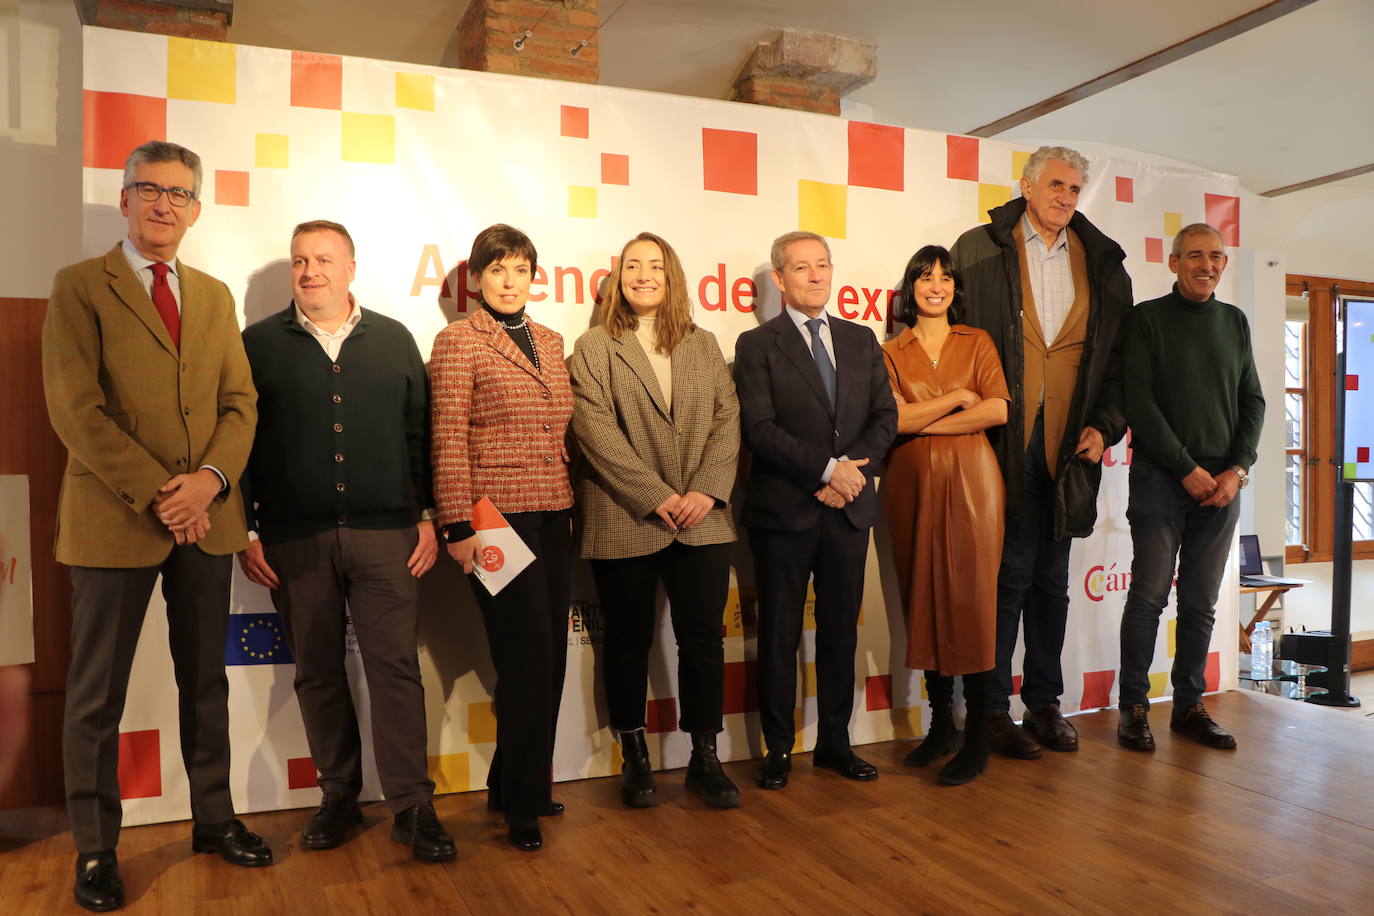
column 1310, row 392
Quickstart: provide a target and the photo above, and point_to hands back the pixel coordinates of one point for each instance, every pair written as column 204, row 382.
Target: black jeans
column 1032, row 586
column 697, row 581
column 1167, row 525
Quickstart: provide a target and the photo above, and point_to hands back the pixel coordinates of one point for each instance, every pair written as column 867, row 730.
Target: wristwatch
column 1243, row 474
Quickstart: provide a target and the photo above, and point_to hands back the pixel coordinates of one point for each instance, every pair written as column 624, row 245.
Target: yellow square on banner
column 798, row 730
column 1172, row 223
column 369, row 138
column 617, row 758
column 1157, row 684
column 581, row 202
column 1018, row 163
column 1173, row 637
column 481, row 723
column 273, row 151
column 809, row 609
column 734, row 614
column 822, row 208
column 907, row 722
column 415, row 90
column 990, row 196
column 450, row 772
column 808, row 679
column 202, row 71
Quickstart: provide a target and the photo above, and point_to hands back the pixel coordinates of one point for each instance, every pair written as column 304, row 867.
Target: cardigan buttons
column 337, row 368
column 338, row 457
column 545, row 395
column 337, row 399
column 338, row 427
column 339, row 486
column 547, row 428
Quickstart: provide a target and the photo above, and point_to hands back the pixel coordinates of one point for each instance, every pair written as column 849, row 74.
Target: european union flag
column 256, row 639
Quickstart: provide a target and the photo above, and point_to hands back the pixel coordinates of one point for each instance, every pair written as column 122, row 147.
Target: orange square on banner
column 1223, row 214
column 615, row 168
column 729, row 161
column 660, row 715
column 961, row 157
column 1154, row 251
column 113, row 123
column 1015, row 686
column 231, row 188
column 574, row 122
column 140, row 764
column 301, row 773
column 1125, row 190
column 741, row 687
column 878, row 692
column 877, row 156
column 1212, row 673
column 1097, row 689
column 316, row 80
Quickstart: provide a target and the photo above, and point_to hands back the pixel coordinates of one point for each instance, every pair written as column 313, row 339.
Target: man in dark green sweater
column 1195, row 409
column 338, row 490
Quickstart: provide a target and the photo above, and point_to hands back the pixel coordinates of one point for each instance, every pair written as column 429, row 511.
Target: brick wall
column 488, row 31
column 207, row 19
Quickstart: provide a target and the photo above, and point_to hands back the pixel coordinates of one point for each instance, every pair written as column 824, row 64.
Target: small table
column 1274, row 591
column 1286, row 679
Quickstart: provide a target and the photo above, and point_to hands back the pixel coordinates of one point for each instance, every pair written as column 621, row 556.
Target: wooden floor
column 1283, row 825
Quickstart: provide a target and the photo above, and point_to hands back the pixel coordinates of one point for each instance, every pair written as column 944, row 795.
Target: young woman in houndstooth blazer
column 657, row 421
column 501, row 404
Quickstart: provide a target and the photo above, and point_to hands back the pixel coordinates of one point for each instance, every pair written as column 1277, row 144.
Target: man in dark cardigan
column 338, row 493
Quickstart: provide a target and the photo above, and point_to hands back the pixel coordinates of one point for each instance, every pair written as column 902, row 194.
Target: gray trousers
column 326, row 579
column 108, row 607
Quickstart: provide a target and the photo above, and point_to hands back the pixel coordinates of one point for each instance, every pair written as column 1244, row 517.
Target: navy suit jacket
column 791, row 430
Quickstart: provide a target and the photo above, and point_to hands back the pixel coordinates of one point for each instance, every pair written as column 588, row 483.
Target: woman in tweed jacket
column 501, row 404
column 657, row 421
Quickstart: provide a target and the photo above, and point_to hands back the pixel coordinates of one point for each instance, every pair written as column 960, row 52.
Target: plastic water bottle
column 1262, row 651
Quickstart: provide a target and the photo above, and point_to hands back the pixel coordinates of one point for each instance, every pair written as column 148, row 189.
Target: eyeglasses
column 150, row 191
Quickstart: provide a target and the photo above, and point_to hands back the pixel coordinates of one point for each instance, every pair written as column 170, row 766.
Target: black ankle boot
column 939, row 739
column 972, row 758
column 705, row 776
column 637, row 787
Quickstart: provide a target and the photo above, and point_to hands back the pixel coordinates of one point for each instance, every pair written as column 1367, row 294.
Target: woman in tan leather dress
column 944, row 497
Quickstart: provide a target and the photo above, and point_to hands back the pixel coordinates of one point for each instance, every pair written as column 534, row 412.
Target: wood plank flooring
column 1284, row 824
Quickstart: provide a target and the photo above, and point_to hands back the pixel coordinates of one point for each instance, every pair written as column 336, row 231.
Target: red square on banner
column 1362, row 454
column 231, row 188
column 877, row 156
column 660, row 715
column 140, row 764
column 1125, row 190
column 574, row 122
column 316, row 80
column 741, row 687
column 729, row 161
column 961, row 157
column 1352, row 383
column 1223, row 214
column 301, row 773
column 1016, row 685
column 1212, row 673
column 878, row 691
column 615, row 168
column 1154, row 251
column 113, row 123
column 1097, row 689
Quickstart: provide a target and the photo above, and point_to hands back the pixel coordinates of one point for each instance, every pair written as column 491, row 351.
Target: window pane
column 1292, row 415
column 1293, row 491
column 1364, row 512
column 1292, row 354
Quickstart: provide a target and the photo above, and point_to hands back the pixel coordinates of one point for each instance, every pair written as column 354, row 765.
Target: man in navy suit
column 817, row 416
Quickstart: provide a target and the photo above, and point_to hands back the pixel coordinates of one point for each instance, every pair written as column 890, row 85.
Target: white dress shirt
column 1051, row 278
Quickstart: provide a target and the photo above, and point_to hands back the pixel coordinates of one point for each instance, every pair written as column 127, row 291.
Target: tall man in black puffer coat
column 1052, row 291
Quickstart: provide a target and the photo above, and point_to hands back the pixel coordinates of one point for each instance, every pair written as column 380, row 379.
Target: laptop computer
column 1252, row 567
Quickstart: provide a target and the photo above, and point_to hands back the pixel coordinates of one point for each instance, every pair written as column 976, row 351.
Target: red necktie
column 166, row 302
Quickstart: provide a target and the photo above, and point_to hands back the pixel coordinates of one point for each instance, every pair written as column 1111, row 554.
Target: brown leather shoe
column 1050, row 728
column 1194, row 722
column 1008, row 740
column 1133, row 729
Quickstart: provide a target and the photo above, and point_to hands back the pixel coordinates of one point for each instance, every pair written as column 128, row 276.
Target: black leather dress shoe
column 419, row 828
column 1006, row 739
column 1194, row 722
column 1133, row 729
column 555, row 807
column 847, row 763
column 525, row 836
column 233, row 841
column 1050, row 728
column 774, row 769
column 327, row 826
column 98, row 885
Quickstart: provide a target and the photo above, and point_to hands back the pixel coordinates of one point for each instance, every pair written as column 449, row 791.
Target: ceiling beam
column 1175, row 52
column 1314, row 182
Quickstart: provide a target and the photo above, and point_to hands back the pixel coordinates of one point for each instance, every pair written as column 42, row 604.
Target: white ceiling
column 1282, row 103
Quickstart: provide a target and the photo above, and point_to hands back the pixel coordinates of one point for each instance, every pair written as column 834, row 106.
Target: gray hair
column 1195, row 229
column 1038, row 159
column 781, row 242
column 162, row 151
